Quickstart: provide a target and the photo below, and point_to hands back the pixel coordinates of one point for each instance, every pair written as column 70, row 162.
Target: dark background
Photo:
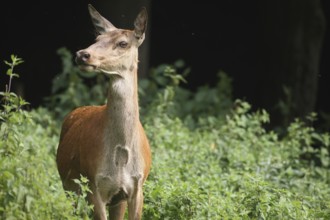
column 209, row 37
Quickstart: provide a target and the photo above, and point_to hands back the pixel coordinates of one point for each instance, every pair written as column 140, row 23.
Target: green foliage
column 212, row 156
column 82, row 208
column 162, row 89
column 11, row 111
column 73, row 88
column 235, row 169
column 29, row 183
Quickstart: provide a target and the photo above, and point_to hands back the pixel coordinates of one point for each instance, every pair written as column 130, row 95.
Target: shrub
column 235, row 169
column 212, row 156
column 73, row 88
column 29, row 183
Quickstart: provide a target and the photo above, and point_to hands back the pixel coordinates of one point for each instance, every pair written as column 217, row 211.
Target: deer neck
column 123, row 109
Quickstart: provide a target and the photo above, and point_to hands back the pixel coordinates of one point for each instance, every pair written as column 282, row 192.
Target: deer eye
column 123, row 44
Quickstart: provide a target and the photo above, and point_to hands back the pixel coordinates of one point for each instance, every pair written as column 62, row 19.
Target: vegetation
column 212, row 156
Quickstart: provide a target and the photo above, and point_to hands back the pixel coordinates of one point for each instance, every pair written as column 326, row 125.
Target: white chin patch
column 88, row 68
column 109, row 72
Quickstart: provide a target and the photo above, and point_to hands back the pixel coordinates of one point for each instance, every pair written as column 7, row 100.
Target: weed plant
column 212, row 157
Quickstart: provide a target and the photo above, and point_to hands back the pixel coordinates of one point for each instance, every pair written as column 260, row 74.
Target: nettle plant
column 29, row 184
column 213, row 158
column 73, row 87
column 11, row 114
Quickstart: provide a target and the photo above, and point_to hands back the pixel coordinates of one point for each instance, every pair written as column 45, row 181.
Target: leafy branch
column 10, row 72
column 11, row 104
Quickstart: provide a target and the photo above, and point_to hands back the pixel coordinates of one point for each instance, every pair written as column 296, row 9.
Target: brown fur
column 107, row 144
column 81, row 145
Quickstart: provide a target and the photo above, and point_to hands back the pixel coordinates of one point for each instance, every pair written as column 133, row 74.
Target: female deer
column 107, row 144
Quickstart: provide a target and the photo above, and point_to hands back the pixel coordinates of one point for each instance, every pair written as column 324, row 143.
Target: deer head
column 115, row 50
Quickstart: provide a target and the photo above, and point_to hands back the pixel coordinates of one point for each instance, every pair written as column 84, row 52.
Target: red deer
column 107, row 144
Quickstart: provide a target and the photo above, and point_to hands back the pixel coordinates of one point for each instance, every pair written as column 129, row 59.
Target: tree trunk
column 293, row 32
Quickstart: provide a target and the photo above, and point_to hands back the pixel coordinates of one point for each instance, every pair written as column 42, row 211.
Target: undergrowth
column 30, row 187
column 212, row 156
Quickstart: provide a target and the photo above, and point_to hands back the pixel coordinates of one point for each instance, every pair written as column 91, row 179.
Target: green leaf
column 7, row 63
column 9, row 72
column 22, row 102
column 15, row 75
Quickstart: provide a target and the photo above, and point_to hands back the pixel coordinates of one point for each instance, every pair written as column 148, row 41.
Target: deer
column 107, row 144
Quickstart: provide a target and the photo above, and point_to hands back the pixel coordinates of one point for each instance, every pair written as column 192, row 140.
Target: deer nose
column 82, row 56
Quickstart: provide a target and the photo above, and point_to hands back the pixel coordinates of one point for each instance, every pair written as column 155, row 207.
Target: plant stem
column 11, row 75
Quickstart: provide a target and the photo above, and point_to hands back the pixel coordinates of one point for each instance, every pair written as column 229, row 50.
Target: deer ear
column 101, row 24
column 140, row 24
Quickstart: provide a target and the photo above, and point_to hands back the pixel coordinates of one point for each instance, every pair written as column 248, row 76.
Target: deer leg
column 117, row 212
column 99, row 206
column 135, row 205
